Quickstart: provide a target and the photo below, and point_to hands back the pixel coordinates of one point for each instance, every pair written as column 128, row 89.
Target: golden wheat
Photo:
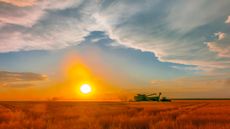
column 115, row 115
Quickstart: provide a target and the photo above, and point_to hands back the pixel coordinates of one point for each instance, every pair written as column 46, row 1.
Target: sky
column 48, row 48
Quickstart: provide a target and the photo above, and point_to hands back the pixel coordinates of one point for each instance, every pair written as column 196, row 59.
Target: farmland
column 179, row 114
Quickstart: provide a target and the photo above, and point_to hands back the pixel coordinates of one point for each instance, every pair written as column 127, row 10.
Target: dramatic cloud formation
column 18, row 79
column 175, row 31
column 171, row 34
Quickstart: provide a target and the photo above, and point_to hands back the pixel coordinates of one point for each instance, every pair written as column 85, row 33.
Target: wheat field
column 189, row 114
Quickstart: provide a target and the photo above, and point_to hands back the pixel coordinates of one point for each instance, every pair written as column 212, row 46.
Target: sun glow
column 85, row 88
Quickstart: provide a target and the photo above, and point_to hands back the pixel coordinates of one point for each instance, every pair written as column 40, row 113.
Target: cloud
column 187, row 68
column 20, row 3
column 49, row 28
column 171, row 34
column 174, row 31
column 228, row 20
column 19, row 79
column 186, row 16
column 24, row 16
column 221, row 46
column 220, row 35
column 29, row 12
column 222, row 51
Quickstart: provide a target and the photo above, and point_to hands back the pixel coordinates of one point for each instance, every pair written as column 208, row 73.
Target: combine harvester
column 151, row 97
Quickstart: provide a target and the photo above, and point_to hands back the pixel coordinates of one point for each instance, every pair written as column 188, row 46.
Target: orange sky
column 66, row 85
column 74, row 72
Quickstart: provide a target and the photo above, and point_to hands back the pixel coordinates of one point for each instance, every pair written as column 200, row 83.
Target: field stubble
column 116, row 115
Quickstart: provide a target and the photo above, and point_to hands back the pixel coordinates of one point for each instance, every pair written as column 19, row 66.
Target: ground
column 186, row 114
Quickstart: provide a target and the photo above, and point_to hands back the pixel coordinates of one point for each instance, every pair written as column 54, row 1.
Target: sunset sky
column 48, row 48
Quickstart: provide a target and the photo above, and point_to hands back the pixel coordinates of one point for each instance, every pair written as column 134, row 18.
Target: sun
column 85, row 88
